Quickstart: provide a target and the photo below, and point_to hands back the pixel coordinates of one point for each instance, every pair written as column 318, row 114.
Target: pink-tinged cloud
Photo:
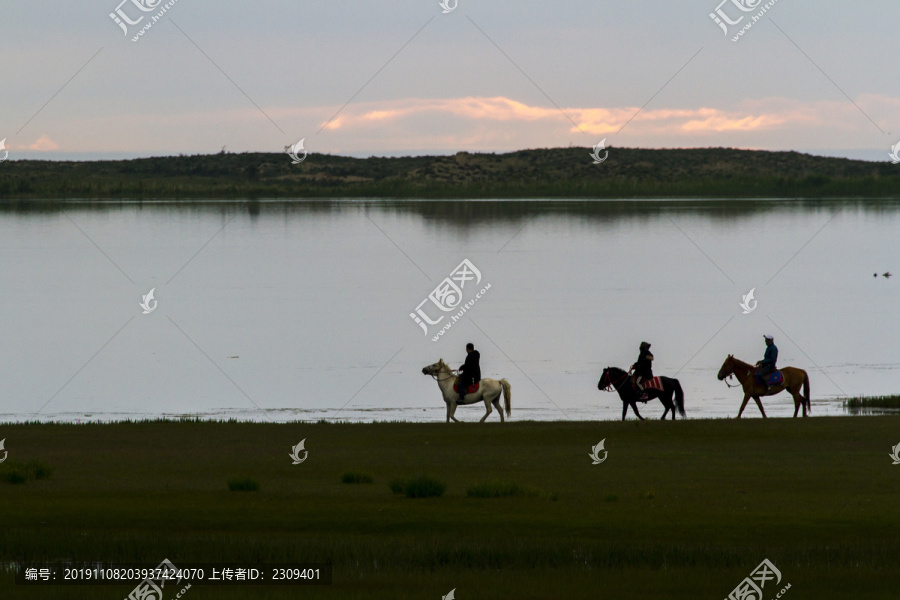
column 495, row 109
column 500, row 123
column 719, row 122
column 490, row 124
column 595, row 121
column 44, row 144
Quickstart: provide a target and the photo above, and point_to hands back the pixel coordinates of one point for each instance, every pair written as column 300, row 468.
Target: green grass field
column 680, row 509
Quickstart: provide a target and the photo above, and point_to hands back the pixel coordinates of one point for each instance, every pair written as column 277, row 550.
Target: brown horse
column 794, row 379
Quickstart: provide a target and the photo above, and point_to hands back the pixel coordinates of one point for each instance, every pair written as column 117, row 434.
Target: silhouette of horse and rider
column 639, row 385
column 468, row 387
column 766, row 380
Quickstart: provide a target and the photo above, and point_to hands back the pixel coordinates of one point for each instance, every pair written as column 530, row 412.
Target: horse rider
column 469, row 372
column 643, row 370
column 766, row 366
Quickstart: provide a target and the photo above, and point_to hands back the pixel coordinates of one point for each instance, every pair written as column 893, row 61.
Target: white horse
column 488, row 391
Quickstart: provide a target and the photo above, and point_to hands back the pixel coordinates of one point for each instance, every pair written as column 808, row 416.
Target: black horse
column 621, row 382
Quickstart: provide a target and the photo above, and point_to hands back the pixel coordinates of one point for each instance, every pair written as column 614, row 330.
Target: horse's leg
column 802, row 399
column 448, row 412
column 453, row 411
column 759, row 404
column 667, row 402
column 798, row 402
column 624, row 409
column 798, row 397
column 634, row 408
column 496, row 404
column 487, row 406
column 744, row 404
column 662, row 400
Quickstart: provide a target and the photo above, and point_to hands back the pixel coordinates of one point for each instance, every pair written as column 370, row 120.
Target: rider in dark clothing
column 643, row 369
column 767, row 364
column 469, row 372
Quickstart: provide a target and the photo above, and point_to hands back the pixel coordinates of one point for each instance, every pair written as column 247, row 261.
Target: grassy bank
column 678, row 510
column 892, row 402
column 546, row 173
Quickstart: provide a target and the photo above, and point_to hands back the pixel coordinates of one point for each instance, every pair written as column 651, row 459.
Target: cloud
column 591, row 120
column 502, row 123
column 43, row 144
column 490, row 124
column 472, row 108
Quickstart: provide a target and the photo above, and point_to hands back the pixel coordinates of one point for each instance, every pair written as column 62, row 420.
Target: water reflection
column 470, row 213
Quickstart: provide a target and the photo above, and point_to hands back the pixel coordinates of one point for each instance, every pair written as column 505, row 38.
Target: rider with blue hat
column 767, row 365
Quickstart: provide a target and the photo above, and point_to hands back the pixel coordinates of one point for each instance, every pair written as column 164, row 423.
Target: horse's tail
column 679, row 396
column 507, row 395
column 806, row 391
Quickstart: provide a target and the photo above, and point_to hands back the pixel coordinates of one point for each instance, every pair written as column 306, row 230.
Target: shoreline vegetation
column 866, row 402
column 891, row 402
column 540, row 173
column 679, row 510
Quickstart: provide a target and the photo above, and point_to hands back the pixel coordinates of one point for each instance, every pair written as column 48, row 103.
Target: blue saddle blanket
column 773, row 378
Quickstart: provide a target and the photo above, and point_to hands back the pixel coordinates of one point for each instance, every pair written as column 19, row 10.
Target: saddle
column 470, row 390
column 653, row 383
column 774, row 378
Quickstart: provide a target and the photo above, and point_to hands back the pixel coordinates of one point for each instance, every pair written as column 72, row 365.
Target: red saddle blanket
column 654, row 383
column 470, row 390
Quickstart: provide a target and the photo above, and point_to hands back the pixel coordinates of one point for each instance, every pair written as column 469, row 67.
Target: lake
column 307, row 310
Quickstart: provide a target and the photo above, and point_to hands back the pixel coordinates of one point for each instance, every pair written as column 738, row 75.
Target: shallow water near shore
column 282, row 311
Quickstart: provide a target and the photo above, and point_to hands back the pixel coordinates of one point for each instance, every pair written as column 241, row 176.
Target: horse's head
column 727, row 368
column 438, row 367
column 610, row 378
column 604, row 379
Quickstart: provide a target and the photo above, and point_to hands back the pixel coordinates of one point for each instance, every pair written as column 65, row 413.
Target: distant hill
column 547, row 173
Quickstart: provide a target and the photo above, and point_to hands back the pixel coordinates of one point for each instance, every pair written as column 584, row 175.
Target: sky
column 400, row 77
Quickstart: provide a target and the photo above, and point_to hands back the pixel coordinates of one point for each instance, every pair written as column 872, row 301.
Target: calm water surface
column 283, row 311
